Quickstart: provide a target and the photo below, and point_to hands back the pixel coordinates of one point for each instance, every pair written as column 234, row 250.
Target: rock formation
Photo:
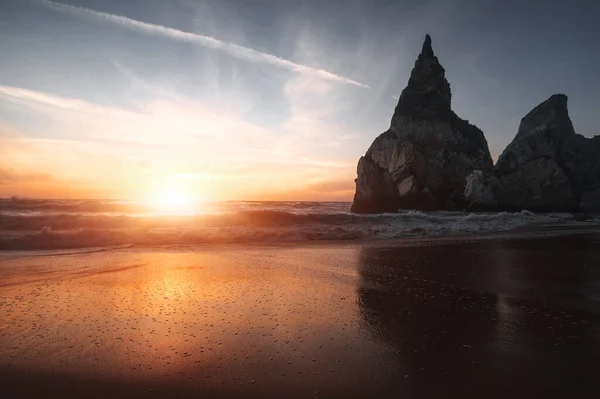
column 546, row 168
column 423, row 160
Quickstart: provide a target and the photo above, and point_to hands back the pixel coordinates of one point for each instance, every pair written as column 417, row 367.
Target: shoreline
column 524, row 232
column 486, row 317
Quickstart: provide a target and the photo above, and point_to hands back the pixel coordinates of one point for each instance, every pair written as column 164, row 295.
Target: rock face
column 546, row 168
column 482, row 190
column 423, row 160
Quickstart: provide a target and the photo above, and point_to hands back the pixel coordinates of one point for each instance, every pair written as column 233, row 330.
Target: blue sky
column 249, row 98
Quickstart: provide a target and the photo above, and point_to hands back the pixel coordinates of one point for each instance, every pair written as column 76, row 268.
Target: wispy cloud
column 117, row 152
column 35, row 99
column 235, row 50
column 162, row 127
column 9, row 176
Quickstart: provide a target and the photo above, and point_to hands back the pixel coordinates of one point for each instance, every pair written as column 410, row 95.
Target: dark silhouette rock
column 581, row 158
column 423, row 160
column 482, row 191
column 546, row 168
column 531, row 169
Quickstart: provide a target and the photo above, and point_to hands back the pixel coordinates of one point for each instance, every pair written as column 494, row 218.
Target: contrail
column 234, row 50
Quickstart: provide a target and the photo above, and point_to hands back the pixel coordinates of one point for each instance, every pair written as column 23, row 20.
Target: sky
column 262, row 99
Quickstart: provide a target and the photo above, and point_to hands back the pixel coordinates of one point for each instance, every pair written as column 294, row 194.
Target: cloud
column 316, row 123
column 338, row 188
column 37, row 100
column 117, row 151
column 186, row 122
column 339, row 185
column 241, row 52
column 8, row 176
column 189, row 128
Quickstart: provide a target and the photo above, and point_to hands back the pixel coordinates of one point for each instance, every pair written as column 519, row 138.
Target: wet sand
column 500, row 317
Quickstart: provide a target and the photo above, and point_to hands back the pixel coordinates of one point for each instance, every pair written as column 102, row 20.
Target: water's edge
column 68, row 224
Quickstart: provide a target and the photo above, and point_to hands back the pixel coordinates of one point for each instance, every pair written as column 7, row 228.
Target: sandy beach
column 494, row 317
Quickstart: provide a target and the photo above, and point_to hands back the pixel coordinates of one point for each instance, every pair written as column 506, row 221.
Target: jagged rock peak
column 423, row 160
column 551, row 116
column 546, row 168
column 427, row 93
column 427, row 50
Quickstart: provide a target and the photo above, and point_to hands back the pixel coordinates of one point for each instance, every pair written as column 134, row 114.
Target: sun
column 171, row 199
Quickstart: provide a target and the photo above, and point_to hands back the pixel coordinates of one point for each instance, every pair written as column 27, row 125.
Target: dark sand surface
column 500, row 317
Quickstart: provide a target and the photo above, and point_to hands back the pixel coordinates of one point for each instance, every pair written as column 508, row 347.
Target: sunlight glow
column 172, row 199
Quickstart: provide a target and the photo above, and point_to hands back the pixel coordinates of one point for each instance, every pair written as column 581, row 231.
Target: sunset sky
column 272, row 99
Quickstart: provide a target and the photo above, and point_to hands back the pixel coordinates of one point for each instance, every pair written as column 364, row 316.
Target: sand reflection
column 245, row 320
column 414, row 320
column 462, row 316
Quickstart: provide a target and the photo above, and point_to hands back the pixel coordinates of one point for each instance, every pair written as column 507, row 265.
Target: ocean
column 38, row 224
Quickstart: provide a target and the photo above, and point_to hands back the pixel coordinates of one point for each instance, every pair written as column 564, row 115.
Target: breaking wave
column 50, row 224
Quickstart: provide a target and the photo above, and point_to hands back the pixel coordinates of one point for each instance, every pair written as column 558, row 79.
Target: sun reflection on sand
column 265, row 320
column 217, row 317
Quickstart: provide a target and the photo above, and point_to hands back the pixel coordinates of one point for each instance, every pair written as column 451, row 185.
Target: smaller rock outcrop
column 531, row 168
column 546, row 168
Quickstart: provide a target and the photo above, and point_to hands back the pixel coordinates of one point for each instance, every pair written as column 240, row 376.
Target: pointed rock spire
column 427, row 50
column 423, row 160
column 428, row 92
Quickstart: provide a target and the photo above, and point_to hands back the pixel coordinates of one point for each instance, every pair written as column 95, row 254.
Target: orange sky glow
column 210, row 154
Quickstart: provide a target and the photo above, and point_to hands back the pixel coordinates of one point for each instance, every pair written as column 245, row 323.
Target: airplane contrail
column 235, row 50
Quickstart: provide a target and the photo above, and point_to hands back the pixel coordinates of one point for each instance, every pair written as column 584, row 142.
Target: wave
column 263, row 218
column 21, row 205
column 31, row 205
column 63, row 231
column 60, row 252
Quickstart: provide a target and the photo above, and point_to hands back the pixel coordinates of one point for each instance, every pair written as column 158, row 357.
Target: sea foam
column 58, row 224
